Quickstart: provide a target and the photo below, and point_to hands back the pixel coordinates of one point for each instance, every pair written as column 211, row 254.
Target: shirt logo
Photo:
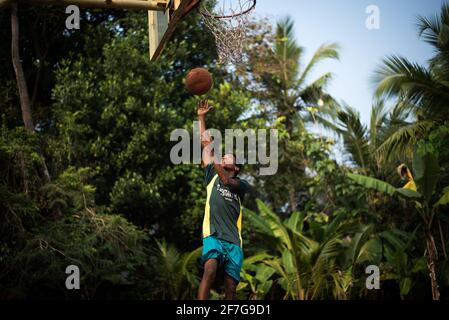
column 225, row 193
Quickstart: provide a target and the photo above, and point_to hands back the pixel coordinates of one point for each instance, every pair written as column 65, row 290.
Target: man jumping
column 222, row 223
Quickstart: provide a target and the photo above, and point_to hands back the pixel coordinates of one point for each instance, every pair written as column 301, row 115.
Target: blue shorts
column 229, row 255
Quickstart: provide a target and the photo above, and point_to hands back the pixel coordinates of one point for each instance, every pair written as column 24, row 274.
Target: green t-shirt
column 223, row 212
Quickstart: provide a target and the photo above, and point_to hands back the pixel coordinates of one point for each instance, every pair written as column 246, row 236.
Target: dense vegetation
column 93, row 185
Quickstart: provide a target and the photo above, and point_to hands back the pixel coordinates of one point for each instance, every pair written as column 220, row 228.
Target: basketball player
column 222, row 224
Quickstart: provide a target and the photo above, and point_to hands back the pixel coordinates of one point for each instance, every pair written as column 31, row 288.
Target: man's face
column 228, row 162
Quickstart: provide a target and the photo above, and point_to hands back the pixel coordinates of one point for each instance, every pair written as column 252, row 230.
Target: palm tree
column 281, row 82
column 361, row 141
column 305, row 260
column 422, row 89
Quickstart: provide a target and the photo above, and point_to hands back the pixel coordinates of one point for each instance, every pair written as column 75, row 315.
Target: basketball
column 199, row 81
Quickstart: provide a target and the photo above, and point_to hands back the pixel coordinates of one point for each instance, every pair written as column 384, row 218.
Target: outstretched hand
column 203, row 108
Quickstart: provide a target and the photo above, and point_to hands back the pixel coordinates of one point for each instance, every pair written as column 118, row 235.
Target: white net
column 228, row 22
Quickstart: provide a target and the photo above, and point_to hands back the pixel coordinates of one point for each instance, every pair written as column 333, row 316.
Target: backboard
column 162, row 24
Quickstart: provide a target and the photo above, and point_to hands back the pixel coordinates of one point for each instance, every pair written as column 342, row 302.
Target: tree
column 423, row 89
column 426, row 170
column 278, row 79
column 285, row 95
column 21, row 83
column 362, row 142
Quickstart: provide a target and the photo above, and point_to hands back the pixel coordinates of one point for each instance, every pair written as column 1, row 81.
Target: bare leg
column 210, row 271
column 230, row 287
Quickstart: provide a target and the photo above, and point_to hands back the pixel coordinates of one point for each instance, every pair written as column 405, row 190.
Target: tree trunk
column 431, row 264
column 21, row 82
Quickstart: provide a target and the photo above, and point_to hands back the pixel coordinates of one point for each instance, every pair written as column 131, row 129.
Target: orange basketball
column 199, row 81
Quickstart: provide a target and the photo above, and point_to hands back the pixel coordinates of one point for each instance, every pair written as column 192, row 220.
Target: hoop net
column 228, row 22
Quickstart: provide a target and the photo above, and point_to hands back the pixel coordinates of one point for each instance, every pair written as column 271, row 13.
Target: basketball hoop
column 228, row 22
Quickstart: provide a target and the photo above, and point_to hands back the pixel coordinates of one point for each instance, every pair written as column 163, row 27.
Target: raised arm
column 206, row 141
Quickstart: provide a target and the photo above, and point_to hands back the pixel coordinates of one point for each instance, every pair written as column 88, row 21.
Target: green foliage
column 426, row 170
column 255, row 277
column 132, row 195
column 305, row 254
column 69, row 193
column 175, row 273
column 20, row 159
column 108, row 250
column 372, row 183
column 444, row 200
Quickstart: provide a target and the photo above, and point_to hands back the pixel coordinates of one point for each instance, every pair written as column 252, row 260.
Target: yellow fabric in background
column 411, row 182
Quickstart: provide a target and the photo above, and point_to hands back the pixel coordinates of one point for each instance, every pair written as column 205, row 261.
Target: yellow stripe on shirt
column 206, row 220
column 239, row 224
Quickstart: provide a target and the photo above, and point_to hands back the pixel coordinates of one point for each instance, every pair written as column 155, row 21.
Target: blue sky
column 321, row 21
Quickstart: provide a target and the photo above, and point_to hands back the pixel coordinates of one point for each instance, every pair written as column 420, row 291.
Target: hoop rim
column 231, row 15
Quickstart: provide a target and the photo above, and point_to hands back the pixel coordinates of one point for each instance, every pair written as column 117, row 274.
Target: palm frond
column 403, row 138
column 357, row 241
column 324, row 121
column 325, row 51
column 429, row 29
column 354, row 136
column 417, row 85
column 331, row 247
column 286, row 50
column 314, row 91
column 377, row 121
column 400, row 112
column 395, row 72
column 276, row 225
column 434, row 30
